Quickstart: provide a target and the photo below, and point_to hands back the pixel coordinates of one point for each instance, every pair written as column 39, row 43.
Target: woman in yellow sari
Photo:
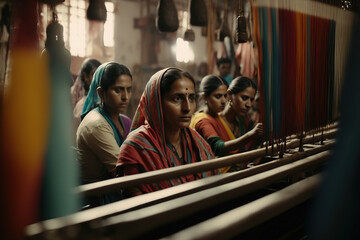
column 226, row 127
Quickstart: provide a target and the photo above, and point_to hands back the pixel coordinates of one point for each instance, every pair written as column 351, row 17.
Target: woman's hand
column 257, row 131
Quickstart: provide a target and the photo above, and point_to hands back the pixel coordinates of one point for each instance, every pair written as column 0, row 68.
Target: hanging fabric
column 167, row 17
column 198, row 13
column 241, row 33
column 97, row 10
column 51, row 2
column 301, row 66
column 224, row 29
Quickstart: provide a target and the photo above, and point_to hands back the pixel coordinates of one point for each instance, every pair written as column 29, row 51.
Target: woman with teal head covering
column 93, row 99
column 103, row 128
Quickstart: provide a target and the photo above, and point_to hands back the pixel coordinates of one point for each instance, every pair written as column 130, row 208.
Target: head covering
column 93, row 99
column 146, row 145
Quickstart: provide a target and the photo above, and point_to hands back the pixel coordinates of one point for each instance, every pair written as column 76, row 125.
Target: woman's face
column 88, row 77
column 242, row 101
column 217, row 99
column 179, row 104
column 117, row 97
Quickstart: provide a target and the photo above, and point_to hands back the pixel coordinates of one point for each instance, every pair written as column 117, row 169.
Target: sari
column 217, row 132
column 146, row 147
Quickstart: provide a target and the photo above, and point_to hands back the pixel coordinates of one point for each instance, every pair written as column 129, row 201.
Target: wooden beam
column 236, row 221
column 137, row 224
column 155, row 176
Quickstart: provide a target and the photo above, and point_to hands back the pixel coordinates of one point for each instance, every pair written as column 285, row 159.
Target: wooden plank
column 136, row 224
column 236, row 221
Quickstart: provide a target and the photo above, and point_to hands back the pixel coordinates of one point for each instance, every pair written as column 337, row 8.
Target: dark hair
column 210, row 83
column 111, row 72
column 86, row 67
column 170, row 76
column 239, row 84
column 222, row 61
column 200, row 69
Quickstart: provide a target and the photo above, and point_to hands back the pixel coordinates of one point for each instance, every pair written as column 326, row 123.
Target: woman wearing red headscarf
column 161, row 137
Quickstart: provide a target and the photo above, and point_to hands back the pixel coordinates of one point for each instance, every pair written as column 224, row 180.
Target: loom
column 302, row 51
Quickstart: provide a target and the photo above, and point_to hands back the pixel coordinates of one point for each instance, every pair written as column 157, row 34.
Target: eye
column 129, row 89
column 177, row 98
column 192, row 98
column 218, row 96
column 244, row 98
column 225, row 95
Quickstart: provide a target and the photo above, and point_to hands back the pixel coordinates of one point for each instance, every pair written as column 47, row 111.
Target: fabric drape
column 146, row 148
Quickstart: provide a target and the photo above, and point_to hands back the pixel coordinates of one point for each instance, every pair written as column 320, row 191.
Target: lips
column 244, row 111
column 186, row 118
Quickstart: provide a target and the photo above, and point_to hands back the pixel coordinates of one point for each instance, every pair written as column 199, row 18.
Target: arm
column 100, row 139
column 208, row 131
column 235, row 144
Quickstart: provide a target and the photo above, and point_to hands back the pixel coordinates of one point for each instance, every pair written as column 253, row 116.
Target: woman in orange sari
column 227, row 129
column 161, row 137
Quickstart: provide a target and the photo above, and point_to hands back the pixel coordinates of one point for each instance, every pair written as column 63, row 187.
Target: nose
column 185, row 108
column 248, row 103
column 124, row 96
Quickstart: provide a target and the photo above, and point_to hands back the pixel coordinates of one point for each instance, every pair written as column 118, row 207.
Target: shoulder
column 93, row 120
column 200, row 115
column 197, row 117
column 93, row 117
column 208, row 120
column 140, row 139
column 196, row 136
column 201, row 144
column 142, row 133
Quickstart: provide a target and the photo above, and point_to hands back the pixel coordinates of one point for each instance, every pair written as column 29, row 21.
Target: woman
column 213, row 94
column 161, row 137
column 230, row 131
column 81, row 86
column 103, row 129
